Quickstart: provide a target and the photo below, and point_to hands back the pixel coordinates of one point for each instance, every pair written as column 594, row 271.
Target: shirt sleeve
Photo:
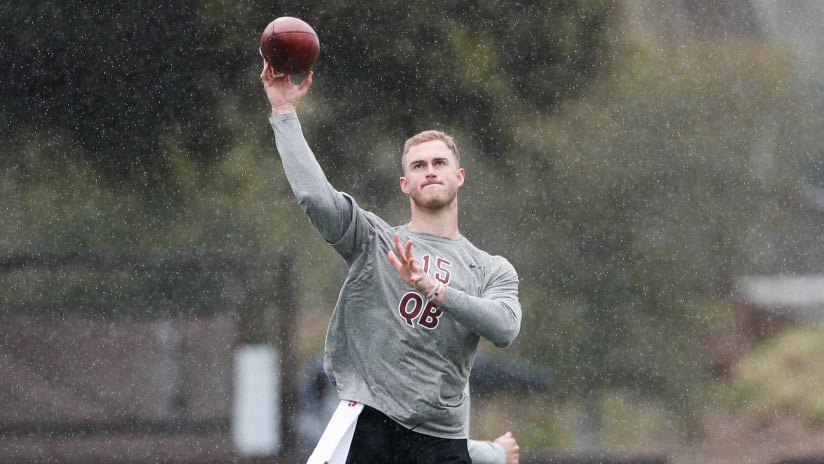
column 496, row 313
column 486, row 452
column 329, row 211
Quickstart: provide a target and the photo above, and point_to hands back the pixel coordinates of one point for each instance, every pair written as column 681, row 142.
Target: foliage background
column 630, row 174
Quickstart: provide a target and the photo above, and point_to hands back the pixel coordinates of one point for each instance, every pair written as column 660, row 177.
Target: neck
column 442, row 222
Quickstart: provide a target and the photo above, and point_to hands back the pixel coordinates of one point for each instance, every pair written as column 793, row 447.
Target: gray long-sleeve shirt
column 386, row 346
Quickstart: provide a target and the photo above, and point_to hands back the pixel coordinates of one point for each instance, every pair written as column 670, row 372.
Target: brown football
column 290, row 45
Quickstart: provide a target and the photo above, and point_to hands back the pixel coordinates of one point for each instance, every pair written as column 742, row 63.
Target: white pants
column 333, row 446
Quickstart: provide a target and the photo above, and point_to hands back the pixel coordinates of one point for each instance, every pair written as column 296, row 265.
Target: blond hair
column 429, row 136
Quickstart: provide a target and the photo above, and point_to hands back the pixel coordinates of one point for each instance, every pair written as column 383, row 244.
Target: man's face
column 431, row 175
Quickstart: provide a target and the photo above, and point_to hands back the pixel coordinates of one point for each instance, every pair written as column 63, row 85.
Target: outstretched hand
column 407, row 266
column 283, row 95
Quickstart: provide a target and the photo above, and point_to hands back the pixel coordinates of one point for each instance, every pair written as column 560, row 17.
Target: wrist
column 285, row 108
column 424, row 285
column 436, row 290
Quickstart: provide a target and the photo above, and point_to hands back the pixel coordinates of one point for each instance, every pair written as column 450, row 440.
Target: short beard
column 435, row 203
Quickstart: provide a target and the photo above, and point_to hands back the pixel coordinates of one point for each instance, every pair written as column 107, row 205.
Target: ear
column 404, row 185
column 461, row 175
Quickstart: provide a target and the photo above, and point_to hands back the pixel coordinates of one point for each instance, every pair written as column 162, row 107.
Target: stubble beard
column 434, row 203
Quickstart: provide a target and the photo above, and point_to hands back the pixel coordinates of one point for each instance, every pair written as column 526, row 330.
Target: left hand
column 408, row 267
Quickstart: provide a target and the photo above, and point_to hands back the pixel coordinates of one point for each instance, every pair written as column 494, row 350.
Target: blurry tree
column 115, row 77
column 633, row 208
column 118, row 77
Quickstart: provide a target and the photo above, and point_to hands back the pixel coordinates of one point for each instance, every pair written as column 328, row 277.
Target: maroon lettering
column 409, row 307
column 430, row 316
column 442, row 266
column 442, row 273
column 414, row 306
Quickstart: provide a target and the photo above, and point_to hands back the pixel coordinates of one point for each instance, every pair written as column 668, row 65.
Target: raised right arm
column 329, row 210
